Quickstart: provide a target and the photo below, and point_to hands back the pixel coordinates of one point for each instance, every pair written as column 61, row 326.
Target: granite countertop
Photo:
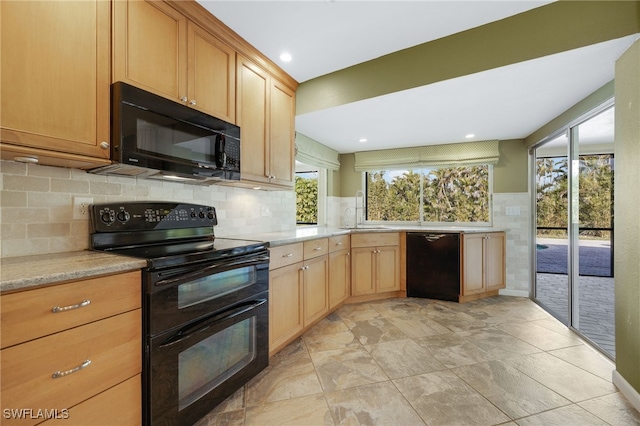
column 21, row 273
column 312, row 232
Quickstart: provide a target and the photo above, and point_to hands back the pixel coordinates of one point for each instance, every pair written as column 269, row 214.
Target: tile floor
column 501, row 360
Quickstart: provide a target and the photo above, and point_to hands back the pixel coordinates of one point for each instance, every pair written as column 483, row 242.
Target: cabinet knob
column 192, row 102
column 184, row 99
column 104, row 145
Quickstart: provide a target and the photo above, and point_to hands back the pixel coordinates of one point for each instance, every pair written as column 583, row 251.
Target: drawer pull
column 82, row 304
column 318, row 248
column 59, row 373
column 339, row 243
column 287, row 255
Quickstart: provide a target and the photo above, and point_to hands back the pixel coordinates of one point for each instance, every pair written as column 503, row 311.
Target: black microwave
column 155, row 137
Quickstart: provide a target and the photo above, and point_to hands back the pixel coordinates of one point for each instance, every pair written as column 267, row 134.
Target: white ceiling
column 504, row 103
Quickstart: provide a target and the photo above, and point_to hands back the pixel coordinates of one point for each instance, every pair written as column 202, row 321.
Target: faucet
column 360, row 193
column 347, row 214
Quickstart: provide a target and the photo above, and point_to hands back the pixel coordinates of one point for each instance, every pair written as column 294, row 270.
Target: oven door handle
column 187, row 332
column 200, row 272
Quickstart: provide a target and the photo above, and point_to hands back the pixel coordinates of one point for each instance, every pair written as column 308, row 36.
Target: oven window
column 216, row 285
column 210, row 362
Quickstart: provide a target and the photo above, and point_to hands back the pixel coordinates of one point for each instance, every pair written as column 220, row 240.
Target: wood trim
column 469, row 298
column 45, row 157
column 374, row 296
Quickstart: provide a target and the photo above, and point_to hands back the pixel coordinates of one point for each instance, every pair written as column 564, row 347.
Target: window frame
column 321, row 202
column 421, row 222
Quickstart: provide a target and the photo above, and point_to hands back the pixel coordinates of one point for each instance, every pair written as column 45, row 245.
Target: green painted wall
column 557, row 27
column 509, row 175
column 626, row 223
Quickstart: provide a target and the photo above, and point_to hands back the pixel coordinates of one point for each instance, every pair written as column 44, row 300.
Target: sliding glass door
column 574, row 228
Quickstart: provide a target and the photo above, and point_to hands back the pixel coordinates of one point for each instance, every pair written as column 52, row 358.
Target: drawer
column 29, row 314
column 339, row 242
column 375, row 239
column 113, row 346
column 315, row 248
column 119, row 405
column 285, row 255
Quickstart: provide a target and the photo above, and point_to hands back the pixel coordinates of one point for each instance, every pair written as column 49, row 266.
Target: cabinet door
column 339, row 277
column 55, row 76
column 252, row 107
column 281, row 135
column 494, row 261
column 112, row 345
column 150, row 47
column 316, row 291
column 387, row 269
column 211, row 74
column 473, row 264
column 362, row 271
column 285, row 304
column 119, row 404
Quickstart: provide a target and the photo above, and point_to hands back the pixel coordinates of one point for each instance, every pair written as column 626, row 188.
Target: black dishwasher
column 433, row 265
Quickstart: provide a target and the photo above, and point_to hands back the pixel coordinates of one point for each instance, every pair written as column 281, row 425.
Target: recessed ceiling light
column 470, row 135
column 285, row 57
column 362, row 140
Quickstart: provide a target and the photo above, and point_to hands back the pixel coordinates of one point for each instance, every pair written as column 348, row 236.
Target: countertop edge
column 276, row 239
column 17, row 273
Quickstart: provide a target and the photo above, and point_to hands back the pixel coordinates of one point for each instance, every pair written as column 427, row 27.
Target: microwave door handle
column 184, row 334
column 200, row 272
column 221, row 156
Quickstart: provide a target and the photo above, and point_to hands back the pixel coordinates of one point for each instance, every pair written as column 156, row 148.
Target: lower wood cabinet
column 483, row 266
column 375, row 266
column 339, row 269
column 65, row 346
column 298, row 289
column 285, row 306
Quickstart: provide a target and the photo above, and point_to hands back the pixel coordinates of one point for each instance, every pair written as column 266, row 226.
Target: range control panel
column 142, row 216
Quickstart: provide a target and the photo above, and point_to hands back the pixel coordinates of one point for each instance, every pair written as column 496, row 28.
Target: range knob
column 201, row 215
column 123, row 216
column 210, row 215
column 108, row 216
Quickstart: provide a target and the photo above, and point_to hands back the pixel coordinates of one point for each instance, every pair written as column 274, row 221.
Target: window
column 307, row 198
column 433, row 195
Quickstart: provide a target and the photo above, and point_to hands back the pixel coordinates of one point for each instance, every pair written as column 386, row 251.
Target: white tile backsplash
column 36, row 215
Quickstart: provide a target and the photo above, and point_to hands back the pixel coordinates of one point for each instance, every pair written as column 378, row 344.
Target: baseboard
column 516, row 293
column 626, row 389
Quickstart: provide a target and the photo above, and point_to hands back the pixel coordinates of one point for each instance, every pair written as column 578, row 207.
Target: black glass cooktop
column 166, row 234
column 184, row 253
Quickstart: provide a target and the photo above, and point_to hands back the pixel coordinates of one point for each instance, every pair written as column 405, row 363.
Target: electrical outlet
column 81, row 207
column 265, row 211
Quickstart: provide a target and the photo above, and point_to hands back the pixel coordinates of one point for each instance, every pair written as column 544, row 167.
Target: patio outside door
column 574, row 228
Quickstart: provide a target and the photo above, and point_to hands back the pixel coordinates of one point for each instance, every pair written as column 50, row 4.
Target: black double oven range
column 205, row 304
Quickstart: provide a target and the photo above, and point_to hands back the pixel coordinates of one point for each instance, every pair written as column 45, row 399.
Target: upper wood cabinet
column 158, row 49
column 265, row 114
column 55, row 82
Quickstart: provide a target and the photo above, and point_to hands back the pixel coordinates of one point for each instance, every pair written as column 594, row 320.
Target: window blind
column 313, row 153
column 455, row 154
